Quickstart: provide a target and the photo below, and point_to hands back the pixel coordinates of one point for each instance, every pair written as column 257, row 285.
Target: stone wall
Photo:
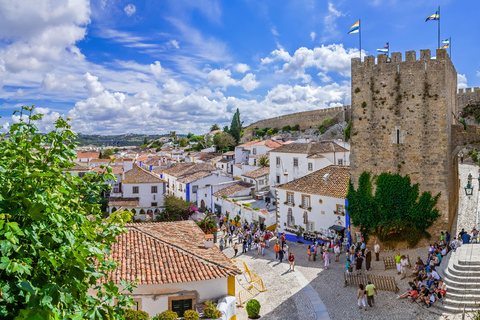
column 401, row 123
column 463, row 97
column 305, row 119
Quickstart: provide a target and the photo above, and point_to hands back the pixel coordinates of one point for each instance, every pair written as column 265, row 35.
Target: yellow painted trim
column 233, row 318
column 231, row 286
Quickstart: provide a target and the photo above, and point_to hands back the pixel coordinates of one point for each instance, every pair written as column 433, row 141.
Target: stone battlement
column 396, row 58
column 470, row 90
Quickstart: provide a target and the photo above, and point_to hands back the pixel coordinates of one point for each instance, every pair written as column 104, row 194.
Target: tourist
column 474, row 234
column 398, row 259
column 361, row 297
column 352, row 253
column 235, row 248
column 326, row 258
column 368, row 259
column 259, row 248
column 336, row 249
column 371, row 290
column 363, row 247
column 221, row 244
column 314, row 252
column 359, row 264
column 277, row 249
column 267, row 237
column 411, row 286
column 447, row 238
column 244, row 246
column 284, row 239
column 280, row 255
column 433, row 276
column 423, row 294
column 262, row 245
column 441, row 289
column 456, row 243
column 249, row 241
column 286, row 250
column 226, row 240
column 349, row 267
column 413, row 295
column 404, row 264
column 465, row 238
column 429, row 300
column 442, row 238
column 291, row 261
column 418, row 267
column 309, row 252
column 461, row 233
column 376, row 247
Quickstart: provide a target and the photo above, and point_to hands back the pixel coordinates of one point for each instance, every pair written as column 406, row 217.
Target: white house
column 226, row 162
column 260, row 178
column 239, row 169
column 184, row 179
column 295, row 160
column 144, row 191
column 253, row 148
column 117, row 171
column 194, row 272
column 316, row 202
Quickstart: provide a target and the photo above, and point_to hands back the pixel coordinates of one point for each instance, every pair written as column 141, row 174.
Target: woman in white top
column 404, row 264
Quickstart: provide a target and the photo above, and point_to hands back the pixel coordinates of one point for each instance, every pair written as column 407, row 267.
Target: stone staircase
column 460, row 270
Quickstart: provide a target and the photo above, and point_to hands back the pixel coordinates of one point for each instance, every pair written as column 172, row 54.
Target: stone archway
column 202, row 204
column 149, row 214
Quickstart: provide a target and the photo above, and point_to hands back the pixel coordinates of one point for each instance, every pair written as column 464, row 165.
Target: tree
column 214, row 127
column 223, row 140
column 205, row 141
column 54, row 244
column 395, row 212
column 145, row 141
column 190, row 135
column 236, row 127
column 183, row 142
column 225, row 129
column 264, row 161
column 116, row 150
column 106, row 154
column 177, row 209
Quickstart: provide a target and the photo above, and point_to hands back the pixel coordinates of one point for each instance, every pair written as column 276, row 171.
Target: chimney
column 208, row 241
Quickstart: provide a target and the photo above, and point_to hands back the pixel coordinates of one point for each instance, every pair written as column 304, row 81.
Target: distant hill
column 121, row 140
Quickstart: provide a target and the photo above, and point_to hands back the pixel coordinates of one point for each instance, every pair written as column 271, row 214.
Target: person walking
column 291, row 262
column 309, row 252
column 326, row 258
column 221, row 244
column 447, row 238
column 376, row 247
column 361, row 297
column 336, row 249
column 398, row 259
column 314, row 252
column 235, row 248
column 244, row 246
column 371, row 291
column 404, row 264
column 277, row 249
column 465, row 238
column 363, row 247
column 262, row 244
column 359, row 264
column 280, row 255
column 267, row 237
column 368, row 259
column 230, row 239
column 286, row 251
column 283, row 238
column 259, row 248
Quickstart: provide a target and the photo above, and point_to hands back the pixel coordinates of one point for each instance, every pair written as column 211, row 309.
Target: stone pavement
column 468, row 206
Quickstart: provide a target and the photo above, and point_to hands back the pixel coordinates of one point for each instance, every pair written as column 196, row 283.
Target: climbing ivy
column 394, row 212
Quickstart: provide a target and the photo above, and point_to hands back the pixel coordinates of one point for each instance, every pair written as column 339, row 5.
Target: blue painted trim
column 294, row 238
column 151, row 168
column 347, row 224
column 211, row 198
column 161, row 176
column 140, row 164
column 188, row 191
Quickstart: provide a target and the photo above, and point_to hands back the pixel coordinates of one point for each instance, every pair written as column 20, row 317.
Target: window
column 290, row 219
column 254, row 150
column 278, row 161
column 154, row 189
column 180, row 306
column 194, row 189
column 278, row 178
column 340, row 162
column 305, row 202
column 251, row 181
column 153, row 204
column 310, row 226
column 295, row 162
column 289, row 198
column 340, row 209
column 260, row 182
column 310, row 166
column 81, row 174
column 134, row 189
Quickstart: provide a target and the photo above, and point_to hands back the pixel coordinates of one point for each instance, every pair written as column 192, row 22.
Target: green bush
column 191, row 315
column 166, row 315
column 286, row 128
column 136, row 315
column 211, row 312
column 327, row 123
column 253, row 308
column 296, row 127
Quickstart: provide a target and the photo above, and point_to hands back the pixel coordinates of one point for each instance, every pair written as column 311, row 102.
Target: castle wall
column 305, row 119
column 464, row 96
column 401, row 123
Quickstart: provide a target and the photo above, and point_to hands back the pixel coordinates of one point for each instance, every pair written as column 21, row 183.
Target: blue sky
column 154, row 66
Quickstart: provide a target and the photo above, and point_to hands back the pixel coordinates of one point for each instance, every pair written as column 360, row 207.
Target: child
column 361, row 297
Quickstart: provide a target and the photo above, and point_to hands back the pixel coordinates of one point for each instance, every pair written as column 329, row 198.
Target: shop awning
column 337, row 228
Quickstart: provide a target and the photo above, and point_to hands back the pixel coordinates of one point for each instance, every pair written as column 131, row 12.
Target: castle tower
column 402, row 116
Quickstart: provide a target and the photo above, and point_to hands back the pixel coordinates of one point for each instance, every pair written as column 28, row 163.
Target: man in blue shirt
column 465, row 238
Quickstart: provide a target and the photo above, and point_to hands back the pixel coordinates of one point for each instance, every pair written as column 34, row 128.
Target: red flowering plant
column 395, row 211
column 207, row 224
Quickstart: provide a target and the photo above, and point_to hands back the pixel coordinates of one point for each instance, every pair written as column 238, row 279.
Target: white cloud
column 478, row 73
column 221, row 78
column 274, row 31
column 461, row 81
column 313, row 35
column 20, row 93
column 92, row 84
column 130, row 9
column 173, row 44
column 330, row 21
column 241, row 67
column 156, row 68
column 331, row 58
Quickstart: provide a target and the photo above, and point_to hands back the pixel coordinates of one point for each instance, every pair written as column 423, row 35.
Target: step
column 469, row 263
column 453, row 309
column 462, row 290
column 458, row 302
column 461, row 276
column 464, row 267
column 460, row 284
column 463, row 272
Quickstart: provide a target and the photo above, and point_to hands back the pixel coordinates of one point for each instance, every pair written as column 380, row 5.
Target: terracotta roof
column 184, row 169
column 85, row 155
column 311, row 148
column 257, row 173
column 229, row 153
column 334, row 185
column 125, row 202
column 78, row 166
column 142, row 158
column 268, row 143
column 116, row 169
column 167, row 252
column 139, row 175
column 195, row 176
column 226, row 160
column 100, row 160
column 233, row 189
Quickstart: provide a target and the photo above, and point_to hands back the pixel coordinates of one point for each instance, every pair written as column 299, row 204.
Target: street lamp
column 469, row 187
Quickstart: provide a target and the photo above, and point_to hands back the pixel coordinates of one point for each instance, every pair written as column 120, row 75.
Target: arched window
column 290, row 218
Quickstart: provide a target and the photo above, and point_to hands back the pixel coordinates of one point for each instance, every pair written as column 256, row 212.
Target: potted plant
column 166, row 315
column 253, row 309
column 191, row 315
column 300, row 231
column 210, row 310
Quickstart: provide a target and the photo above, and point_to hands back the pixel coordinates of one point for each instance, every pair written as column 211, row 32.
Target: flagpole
column 360, row 38
column 388, row 47
column 438, row 27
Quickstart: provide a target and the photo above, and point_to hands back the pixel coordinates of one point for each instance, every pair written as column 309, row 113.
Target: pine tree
column 236, row 126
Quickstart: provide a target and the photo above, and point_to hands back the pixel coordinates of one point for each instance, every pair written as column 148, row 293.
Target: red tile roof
column 233, row 189
column 257, row 173
column 116, row 169
column 125, row 202
column 311, row 148
column 86, row 155
column 139, row 175
column 167, row 252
